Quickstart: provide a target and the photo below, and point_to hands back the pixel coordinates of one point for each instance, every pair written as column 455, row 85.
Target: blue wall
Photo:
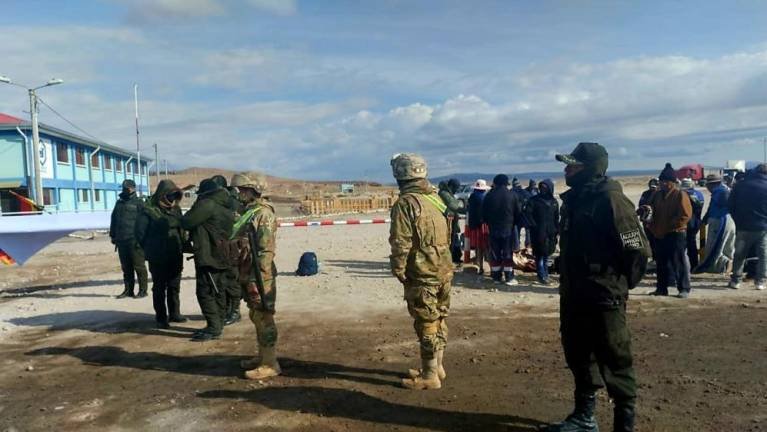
column 70, row 179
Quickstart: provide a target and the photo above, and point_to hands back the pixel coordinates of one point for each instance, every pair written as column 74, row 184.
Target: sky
column 332, row 89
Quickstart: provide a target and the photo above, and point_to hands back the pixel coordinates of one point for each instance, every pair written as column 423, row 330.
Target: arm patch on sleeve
column 631, row 240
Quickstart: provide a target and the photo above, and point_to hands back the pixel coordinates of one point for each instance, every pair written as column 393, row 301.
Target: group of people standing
column 672, row 212
column 603, row 254
column 231, row 232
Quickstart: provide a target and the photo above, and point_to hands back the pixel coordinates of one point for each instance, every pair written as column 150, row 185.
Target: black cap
column 501, row 180
column 586, row 153
column 128, row 183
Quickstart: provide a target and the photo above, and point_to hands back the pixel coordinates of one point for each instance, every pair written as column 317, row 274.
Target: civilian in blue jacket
column 748, row 206
column 720, row 241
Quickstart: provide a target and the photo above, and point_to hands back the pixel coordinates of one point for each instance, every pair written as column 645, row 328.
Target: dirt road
column 75, row 358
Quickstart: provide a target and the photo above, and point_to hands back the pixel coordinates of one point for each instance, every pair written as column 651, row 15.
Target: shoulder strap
column 243, row 220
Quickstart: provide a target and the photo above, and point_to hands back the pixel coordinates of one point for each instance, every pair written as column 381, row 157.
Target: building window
column 118, row 165
column 95, row 161
column 97, row 195
column 49, row 196
column 107, row 163
column 62, row 153
column 83, row 195
column 80, row 156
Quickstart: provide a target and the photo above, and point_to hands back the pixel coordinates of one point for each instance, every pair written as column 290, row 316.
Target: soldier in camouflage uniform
column 420, row 259
column 603, row 255
column 257, row 227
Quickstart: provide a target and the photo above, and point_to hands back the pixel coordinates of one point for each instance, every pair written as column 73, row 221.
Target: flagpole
column 138, row 147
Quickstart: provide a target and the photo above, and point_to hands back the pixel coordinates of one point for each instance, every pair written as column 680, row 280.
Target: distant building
column 78, row 174
column 347, row 188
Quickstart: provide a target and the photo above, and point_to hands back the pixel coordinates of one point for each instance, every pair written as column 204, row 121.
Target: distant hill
column 536, row 175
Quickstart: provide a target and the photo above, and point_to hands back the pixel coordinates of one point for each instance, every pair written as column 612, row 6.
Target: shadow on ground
column 356, row 405
column 367, row 269
column 217, row 365
column 104, row 321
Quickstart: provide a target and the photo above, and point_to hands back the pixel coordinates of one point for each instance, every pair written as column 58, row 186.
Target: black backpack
column 307, row 265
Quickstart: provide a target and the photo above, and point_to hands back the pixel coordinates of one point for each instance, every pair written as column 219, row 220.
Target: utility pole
column 156, row 164
column 36, row 147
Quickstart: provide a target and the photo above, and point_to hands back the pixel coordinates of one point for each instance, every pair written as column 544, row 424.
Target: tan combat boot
column 269, row 366
column 427, row 380
column 415, row 373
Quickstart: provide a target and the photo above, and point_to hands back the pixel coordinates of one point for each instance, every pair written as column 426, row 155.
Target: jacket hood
column 220, row 196
column 548, row 182
column 443, row 186
column 164, row 188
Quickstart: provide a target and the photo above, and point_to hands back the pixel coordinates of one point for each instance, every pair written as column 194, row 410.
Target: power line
column 67, row 120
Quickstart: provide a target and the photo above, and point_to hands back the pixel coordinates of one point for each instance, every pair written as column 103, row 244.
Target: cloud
column 141, row 11
column 277, row 7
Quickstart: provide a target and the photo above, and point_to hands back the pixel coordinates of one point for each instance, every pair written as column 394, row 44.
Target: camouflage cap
column 586, row 153
column 258, row 184
column 408, row 166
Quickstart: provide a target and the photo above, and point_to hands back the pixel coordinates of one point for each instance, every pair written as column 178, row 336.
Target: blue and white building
column 78, row 174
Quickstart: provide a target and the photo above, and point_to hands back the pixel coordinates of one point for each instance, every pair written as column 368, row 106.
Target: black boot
column 127, row 292
column 582, row 418
column 623, row 418
column 232, row 313
column 496, row 275
column 141, row 293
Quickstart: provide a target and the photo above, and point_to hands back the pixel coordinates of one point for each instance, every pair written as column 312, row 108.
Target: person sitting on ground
column 748, row 206
column 543, row 214
column 477, row 231
column 500, row 210
column 720, row 238
column 671, row 210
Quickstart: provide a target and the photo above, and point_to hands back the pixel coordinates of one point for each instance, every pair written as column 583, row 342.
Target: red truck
column 697, row 172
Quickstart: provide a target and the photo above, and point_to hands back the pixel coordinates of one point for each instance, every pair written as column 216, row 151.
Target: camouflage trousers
column 262, row 319
column 429, row 306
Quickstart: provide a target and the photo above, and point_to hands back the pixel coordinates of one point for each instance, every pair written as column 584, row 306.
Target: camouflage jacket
column 419, row 237
column 258, row 217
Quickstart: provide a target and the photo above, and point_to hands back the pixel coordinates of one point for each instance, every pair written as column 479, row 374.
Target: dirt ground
column 76, row 358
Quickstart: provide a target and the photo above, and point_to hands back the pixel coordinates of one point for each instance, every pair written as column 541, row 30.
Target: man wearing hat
column 233, row 291
column 671, row 210
column 603, row 255
column 720, row 237
column 122, row 232
column 420, row 259
column 209, row 223
column 257, row 228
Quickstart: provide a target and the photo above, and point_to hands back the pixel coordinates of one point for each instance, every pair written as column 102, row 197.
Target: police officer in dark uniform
column 603, row 254
column 122, row 233
column 209, row 223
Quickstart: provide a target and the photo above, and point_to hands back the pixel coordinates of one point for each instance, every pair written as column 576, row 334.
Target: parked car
column 463, row 193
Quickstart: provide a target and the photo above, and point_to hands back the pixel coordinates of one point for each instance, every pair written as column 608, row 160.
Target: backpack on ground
column 307, row 265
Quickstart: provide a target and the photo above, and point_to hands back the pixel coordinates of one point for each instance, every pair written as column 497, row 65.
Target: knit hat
column 668, row 173
column 501, row 180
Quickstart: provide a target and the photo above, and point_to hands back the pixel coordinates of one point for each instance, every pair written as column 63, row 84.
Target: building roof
column 8, row 122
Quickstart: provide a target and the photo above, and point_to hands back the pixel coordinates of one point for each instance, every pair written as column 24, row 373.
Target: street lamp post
column 38, row 187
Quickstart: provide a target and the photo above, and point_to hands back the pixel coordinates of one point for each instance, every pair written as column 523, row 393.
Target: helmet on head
column 258, row 183
column 408, row 166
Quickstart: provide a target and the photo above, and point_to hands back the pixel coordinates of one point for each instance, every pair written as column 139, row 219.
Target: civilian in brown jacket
column 671, row 210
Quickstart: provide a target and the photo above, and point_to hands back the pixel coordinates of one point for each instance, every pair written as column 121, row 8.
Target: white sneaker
column 512, row 282
column 760, row 286
column 733, row 285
